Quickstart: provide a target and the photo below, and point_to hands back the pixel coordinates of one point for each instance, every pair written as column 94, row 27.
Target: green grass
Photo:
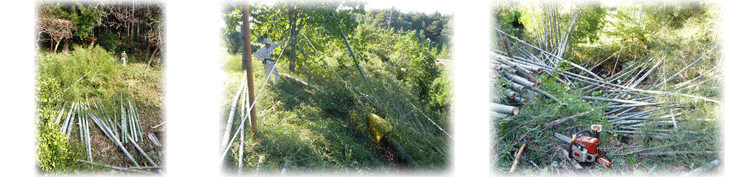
column 102, row 79
column 317, row 132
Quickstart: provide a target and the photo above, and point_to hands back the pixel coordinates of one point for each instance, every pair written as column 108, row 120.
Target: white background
column 192, row 57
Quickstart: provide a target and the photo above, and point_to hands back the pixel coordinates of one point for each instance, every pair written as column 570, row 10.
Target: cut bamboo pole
column 61, row 112
column 154, row 140
column 509, row 93
column 497, row 115
column 69, row 125
column 520, row 80
column 230, row 119
column 66, row 121
column 677, row 153
column 546, row 94
column 118, row 143
column 504, row 109
column 87, row 138
column 519, row 100
column 123, row 123
column 113, row 167
column 136, row 146
column 674, row 120
column 633, row 105
column 559, row 121
column 81, row 131
column 611, row 100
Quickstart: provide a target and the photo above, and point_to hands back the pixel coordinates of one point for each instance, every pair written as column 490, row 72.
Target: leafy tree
column 294, row 19
column 590, row 21
column 436, row 27
column 53, row 23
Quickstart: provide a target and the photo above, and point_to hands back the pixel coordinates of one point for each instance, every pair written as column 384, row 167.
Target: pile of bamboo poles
column 630, row 102
column 520, row 84
column 119, row 128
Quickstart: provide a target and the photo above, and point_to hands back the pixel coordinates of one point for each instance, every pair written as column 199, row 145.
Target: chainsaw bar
column 563, row 137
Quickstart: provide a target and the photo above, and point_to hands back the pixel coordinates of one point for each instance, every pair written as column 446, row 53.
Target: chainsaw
column 584, row 146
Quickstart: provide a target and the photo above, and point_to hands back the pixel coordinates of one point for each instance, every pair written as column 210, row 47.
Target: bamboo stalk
column 230, row 119
column 659, row 147
column 497, row 115
column 637, row 132
column 137, row 125
column 136, row 146
column 123, row 123
column 509, row 93
column 626, row 122
column 87, row 133
column 546, row 94
column 611, row 100
column 428, row 118
column 79, row 128
column 69, row 126
column 559, row 121
column 118, row 143
column 241, row 152
column 633, row 105
column 154, row 140
column 680, row 71
column 520, row 80
column 112, row 167
column 66, row 121
column 678, row 153
column 504, row 109
column 61, row 112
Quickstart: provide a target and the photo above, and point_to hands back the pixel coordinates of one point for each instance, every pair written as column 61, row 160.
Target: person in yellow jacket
column 264, row 54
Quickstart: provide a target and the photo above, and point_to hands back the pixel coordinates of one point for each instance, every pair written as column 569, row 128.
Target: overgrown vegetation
column 302, row 129
column 89, row 74
column 608, row 40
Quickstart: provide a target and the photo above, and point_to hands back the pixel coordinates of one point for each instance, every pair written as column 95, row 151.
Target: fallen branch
column 517, row 157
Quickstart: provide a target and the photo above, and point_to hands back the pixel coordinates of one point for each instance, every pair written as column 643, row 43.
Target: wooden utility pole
column 247, row 63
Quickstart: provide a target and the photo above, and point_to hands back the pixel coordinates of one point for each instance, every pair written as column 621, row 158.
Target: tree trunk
column 293, row 14
column 151, row 57
column 56, row 46
column 66, row 46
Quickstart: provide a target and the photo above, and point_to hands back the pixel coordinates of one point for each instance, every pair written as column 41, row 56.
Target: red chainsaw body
column 590, row 143
column 586, row 149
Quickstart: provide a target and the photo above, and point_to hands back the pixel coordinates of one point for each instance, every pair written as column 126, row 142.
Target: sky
column 428, row 7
